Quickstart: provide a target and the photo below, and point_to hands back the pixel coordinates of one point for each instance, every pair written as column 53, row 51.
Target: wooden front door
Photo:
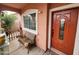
column 64, row 30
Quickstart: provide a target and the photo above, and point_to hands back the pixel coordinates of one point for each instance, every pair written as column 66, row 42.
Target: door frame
column 69, row 6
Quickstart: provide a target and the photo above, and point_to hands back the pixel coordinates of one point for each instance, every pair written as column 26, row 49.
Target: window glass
column 26, row 21
column 30, row 21
column 61, row 29
column 33, row 21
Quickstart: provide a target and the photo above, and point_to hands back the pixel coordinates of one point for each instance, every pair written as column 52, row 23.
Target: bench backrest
column 30, row 36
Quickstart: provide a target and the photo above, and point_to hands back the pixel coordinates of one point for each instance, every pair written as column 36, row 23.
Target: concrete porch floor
column 15, row 48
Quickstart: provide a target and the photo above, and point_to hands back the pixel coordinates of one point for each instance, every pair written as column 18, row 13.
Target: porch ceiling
column 15, row 5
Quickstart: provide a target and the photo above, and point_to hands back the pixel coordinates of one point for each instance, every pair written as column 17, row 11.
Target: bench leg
column 28, row 51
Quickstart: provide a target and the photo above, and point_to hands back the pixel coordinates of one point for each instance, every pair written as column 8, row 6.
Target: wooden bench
column 27, row 40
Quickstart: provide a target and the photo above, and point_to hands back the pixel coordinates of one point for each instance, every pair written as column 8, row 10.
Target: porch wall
column 41, row 37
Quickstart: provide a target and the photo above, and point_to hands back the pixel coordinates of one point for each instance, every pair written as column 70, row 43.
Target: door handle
column 52, row 31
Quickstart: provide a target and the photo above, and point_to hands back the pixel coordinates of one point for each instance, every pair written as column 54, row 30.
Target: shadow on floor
column 16, row 48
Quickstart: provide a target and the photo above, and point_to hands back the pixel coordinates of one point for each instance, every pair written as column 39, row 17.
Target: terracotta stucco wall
column 54, row 5
column 41, row 37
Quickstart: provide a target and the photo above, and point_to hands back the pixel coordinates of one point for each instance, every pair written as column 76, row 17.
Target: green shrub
column 7, row 20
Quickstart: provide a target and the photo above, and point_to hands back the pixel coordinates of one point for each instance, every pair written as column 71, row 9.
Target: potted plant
column 2, row 37
column 7, row 21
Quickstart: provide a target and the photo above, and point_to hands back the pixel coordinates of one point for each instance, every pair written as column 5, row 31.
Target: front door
column 64, row 30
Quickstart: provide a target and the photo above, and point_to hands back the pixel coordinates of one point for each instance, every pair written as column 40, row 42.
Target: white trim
column 49, row 31
column 76, row 47
column 29, row 30
column 27, row 12
column 57, row 51
column 69, row 6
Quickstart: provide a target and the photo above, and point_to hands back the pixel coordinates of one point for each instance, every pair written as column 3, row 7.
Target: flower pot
column 2, row 40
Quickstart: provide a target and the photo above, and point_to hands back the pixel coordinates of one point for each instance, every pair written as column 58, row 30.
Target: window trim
column 27, row 12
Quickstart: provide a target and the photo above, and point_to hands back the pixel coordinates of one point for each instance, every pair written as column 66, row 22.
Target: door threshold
column 57, row 51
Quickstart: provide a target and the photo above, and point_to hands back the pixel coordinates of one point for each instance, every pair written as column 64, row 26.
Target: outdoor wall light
column 40, row 12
